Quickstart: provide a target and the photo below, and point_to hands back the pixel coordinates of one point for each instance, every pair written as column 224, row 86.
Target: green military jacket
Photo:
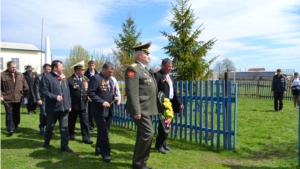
column 141, row 91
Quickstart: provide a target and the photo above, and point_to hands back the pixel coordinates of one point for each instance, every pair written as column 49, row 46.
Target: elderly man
column 55, row 90
column 13, row 88
column 165, row 84
column 78, row 85
column 30, row 79
column 40, row 99
column 142, row 104
column 102, row 95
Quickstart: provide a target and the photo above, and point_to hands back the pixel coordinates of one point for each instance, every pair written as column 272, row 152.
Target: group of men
column 90, row 94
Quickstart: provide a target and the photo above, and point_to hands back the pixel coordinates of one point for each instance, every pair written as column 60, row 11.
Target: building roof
column 256, row 69
column 18, row 46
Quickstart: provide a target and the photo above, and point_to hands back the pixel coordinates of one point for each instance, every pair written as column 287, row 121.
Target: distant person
column 279, row 87
column 55, row 90
column 90, row 72
column 101, row 93
column 295, row 87
column 165, row 83
column 78, row 85
column 13, row 88
column 142, row 104
column 40, row 99
column 30, row 77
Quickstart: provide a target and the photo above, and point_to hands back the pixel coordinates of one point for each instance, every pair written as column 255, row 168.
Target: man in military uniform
column 142, row 104
column 40, row 99
column 90, row 72
column 78, row 85
column 101, row 93
column 54, row 89
column 165, row 84
column 30, row 78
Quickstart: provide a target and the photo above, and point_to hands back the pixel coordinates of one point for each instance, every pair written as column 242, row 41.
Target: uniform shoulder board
column 133, row 65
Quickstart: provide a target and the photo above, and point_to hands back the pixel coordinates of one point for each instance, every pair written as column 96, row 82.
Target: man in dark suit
column 90, row 72
column 78, row 85
column 142, row 104
column 30, row 79
column 165, row 84
column 55, row 90
column 101, row 93
column 279, row 87
column 40, row 99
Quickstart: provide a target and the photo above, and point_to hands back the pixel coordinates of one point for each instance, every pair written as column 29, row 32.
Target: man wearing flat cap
column 142, row 104
column 30, row 79
column 279, row 88
column 78, row 85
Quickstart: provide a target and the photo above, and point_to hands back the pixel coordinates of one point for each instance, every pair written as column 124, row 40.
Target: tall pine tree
column 126, row 41
column 187, row 52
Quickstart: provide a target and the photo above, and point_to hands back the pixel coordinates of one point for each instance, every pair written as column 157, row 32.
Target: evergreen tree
column 127, row 39
column 187, row 53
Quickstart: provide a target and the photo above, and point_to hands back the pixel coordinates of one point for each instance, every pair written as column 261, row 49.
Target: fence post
column 258, row 84
column 226, row 110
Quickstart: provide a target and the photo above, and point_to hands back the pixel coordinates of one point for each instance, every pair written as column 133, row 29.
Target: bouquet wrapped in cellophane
column 167, row 115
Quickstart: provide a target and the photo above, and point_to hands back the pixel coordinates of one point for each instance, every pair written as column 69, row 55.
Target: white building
column 22, row 55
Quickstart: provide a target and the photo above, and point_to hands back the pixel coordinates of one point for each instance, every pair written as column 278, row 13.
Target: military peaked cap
column 143, row 47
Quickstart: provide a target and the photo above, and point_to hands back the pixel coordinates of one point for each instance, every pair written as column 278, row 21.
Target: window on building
column 1, row 63
column 16, row 60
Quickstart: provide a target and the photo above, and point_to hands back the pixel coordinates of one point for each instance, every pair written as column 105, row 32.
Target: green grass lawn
column 265, row 140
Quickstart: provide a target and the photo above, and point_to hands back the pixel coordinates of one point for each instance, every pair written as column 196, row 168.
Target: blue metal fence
column 208, row 116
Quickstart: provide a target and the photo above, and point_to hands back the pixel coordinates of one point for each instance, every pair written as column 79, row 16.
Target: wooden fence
column 209, row 115
column 259, row 89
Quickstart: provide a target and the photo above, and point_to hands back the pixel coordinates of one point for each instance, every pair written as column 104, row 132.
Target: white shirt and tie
column 171, row 92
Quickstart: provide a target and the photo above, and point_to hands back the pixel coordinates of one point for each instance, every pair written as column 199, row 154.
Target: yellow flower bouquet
column 167, row 115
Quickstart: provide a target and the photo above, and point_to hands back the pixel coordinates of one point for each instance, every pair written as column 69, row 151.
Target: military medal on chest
column 103, row 87
column 85, row 84
column 147, row 81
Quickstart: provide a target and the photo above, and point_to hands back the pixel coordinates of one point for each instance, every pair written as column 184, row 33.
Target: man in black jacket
column 279, row 87
column 101, row 93
column 78, row 85
column 165, row 84
column 30, row 79
column 40, row 99
column 55, row 90
column 91, row 71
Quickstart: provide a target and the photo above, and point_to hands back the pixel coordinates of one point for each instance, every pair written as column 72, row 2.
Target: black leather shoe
column 167, row 148
column 88, row 141
column 161, row 150
column 106, row 159
column 67, row 149
column 46, row 145
column 72, row 137
column 144, row 167
column 10, row 133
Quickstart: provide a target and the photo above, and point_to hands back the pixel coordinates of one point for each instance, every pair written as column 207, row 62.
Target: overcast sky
column 253, row 34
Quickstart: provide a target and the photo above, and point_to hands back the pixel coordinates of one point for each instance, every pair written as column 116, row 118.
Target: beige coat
column 13, row 92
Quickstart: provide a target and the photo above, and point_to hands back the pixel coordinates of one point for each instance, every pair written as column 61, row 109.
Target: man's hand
column 117, row 100
column 70, row 110
column 181, row 107
column 138, row 117
column 59, row 98
column 1, row 98
column 284, row 92
column 106, row 105
column 39, row 102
